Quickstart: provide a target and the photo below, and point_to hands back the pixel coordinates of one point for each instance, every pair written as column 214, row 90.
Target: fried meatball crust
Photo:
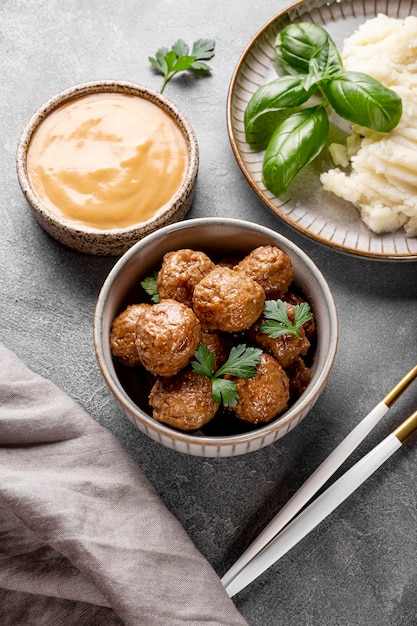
column 167, row 335
column 285, row 349
column 123, row 335
column 180, row 272
column 271, row 267
column 183, row 401
column 300, row 377
column 265, row 395
column 227, row 300
column 219, row 343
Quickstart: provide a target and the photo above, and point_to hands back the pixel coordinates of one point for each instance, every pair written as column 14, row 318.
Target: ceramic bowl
column 216, row 236
column 115, row 240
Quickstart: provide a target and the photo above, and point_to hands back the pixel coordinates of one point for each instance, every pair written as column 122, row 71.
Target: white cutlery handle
column 317, row 479
column 315, row 513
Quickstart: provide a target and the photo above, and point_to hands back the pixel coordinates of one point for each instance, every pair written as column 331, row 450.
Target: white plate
column 306, row 206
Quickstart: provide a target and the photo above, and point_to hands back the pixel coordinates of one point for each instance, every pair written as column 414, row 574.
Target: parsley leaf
column 178, row 59
column 278, row 322
column 150, row 286
column 203, row 49
column 205, row 361
column 241, row 362
column 224, row 391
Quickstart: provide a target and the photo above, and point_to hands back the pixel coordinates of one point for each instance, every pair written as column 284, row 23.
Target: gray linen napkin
column 84, row 538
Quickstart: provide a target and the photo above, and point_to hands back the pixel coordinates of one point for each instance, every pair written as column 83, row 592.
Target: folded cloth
column 82, row 530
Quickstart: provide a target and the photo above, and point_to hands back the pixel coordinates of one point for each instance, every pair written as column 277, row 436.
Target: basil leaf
column 297, row 43
column 269, row 105
column 362, row 100
column 294, row 144
column 326, row 61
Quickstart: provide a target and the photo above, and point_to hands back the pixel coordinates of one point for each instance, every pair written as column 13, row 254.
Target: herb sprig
column 278, row 323
column 292, row 134
column 179, row 59
column 241, row 363
column 150, row 286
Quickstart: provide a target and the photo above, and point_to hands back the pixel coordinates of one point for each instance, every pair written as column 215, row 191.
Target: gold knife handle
column 406, row 428
column 396, row 391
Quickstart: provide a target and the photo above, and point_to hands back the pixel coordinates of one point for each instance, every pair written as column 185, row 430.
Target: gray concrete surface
column 359, row 567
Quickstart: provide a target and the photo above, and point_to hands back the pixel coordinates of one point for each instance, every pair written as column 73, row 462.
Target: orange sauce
column 107, row 160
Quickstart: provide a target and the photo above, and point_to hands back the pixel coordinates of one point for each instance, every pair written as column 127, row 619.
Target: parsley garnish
column 178, row 59
column 278, row 322
column 150, row 286
column 242, row 362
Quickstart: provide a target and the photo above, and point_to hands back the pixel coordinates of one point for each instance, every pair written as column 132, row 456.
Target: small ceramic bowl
column 215, row 236
column 114, row 240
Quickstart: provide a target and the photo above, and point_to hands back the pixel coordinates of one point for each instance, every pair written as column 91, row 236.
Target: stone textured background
column 359, row 566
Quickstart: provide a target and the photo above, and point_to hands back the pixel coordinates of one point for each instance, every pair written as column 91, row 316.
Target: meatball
column 271, row 267
column 183, row 401
column 180, row 272
column 123, row 335
column 300, row 376
column 287, row 348
column 219, row 343
column 228, row 300
column 229, row 261
column 265, row 395
column 167, row 335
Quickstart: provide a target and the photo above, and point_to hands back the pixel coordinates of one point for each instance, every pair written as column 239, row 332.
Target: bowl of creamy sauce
column 105, row 163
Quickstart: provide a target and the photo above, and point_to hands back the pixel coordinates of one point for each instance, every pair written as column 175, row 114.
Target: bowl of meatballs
column 216, row 336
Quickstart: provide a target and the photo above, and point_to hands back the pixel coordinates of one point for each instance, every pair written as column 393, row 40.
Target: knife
column 320, row 475
column 322, row 506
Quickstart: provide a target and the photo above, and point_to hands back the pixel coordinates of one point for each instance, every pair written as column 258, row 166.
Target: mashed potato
column 382, row 177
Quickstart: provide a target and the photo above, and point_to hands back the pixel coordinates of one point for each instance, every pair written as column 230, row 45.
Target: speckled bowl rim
column 241, row 443
column 107, row 86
